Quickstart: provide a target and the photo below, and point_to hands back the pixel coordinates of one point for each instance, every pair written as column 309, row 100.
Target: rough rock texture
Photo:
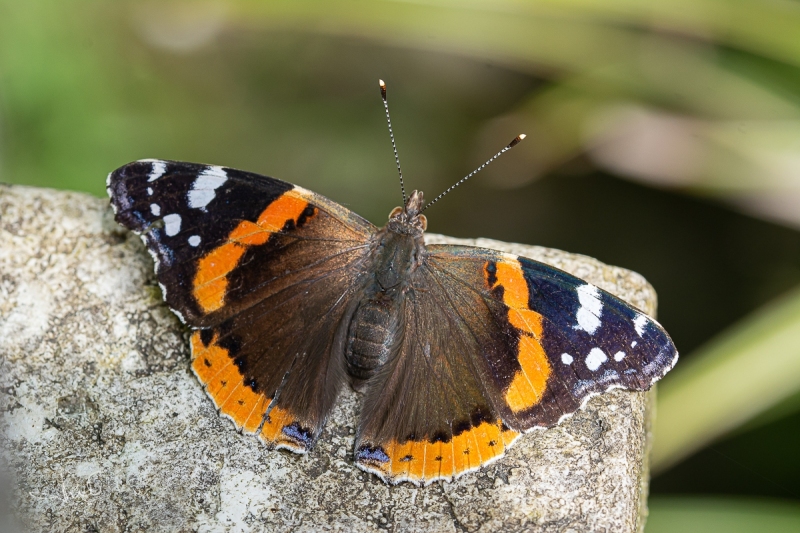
column 107, row 429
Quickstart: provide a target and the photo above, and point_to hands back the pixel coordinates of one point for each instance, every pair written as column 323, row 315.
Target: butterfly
column 291, row 297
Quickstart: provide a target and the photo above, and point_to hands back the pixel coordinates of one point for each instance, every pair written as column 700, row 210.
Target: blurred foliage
column 717, row 515
column 752, row 387
column 695, row 103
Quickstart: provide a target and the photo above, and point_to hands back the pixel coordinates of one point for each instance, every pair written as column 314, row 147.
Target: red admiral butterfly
column 291, row 296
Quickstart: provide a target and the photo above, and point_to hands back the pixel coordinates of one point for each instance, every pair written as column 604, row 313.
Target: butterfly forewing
column 203, row 224
column 594, row 340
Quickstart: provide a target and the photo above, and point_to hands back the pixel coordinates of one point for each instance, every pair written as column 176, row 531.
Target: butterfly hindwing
column 281, row 354
column 523, row 345
column 265, row 270
column 428, row 414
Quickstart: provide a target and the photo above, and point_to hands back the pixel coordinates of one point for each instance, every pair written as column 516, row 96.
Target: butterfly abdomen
column 371, row 336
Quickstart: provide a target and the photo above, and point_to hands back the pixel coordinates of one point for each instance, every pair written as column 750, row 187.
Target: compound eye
column 423, row 220
column 395, row 212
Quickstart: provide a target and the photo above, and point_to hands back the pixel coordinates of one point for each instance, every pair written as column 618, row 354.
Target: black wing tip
column 119, row 185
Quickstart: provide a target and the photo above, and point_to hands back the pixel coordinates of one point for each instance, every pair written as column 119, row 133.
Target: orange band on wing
column 529, row 383
column 211, row 279
column 423, row 461
column 225, row 384
column 515, row 288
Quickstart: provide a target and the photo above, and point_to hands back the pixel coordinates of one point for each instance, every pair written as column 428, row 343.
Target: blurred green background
column 663, row 136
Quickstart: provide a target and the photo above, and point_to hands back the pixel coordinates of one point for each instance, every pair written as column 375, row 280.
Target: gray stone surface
column 107, row 429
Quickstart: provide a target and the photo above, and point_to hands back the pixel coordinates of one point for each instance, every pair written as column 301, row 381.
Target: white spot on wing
column 619, row 356
column 172, row 224
column 204, row 185
column 194, row 240
column 155, row 209
column 639, row 323
column 150, row 191
column 566, row 358
column 595, row 358
column 159, row 168
column 588, row 315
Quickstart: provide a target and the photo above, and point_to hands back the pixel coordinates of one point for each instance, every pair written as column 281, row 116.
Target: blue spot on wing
column 370, row 454
column 299, row 434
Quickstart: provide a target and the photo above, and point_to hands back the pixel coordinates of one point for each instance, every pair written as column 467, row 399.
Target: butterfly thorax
column 398, row 249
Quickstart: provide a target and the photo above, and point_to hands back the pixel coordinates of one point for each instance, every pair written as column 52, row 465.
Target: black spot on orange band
column 490, row 274
column 205, row 336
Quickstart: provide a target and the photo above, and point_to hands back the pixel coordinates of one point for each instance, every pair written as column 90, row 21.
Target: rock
column 106, row 429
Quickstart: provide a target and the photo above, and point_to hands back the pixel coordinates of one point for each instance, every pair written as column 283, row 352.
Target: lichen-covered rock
column 106, row 429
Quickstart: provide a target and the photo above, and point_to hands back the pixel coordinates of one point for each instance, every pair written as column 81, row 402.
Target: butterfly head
column 408, row 219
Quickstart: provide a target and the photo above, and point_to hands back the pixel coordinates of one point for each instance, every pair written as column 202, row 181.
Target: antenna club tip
column 383, row 88
column 382, row 84
column 516, row 140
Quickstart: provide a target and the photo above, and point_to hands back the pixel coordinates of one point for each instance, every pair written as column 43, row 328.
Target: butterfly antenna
column 510, row 145
column 394, row 146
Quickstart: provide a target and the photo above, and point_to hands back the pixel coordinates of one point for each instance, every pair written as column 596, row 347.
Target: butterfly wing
column 265, row 271
column 523, row 345
column 427, row 414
